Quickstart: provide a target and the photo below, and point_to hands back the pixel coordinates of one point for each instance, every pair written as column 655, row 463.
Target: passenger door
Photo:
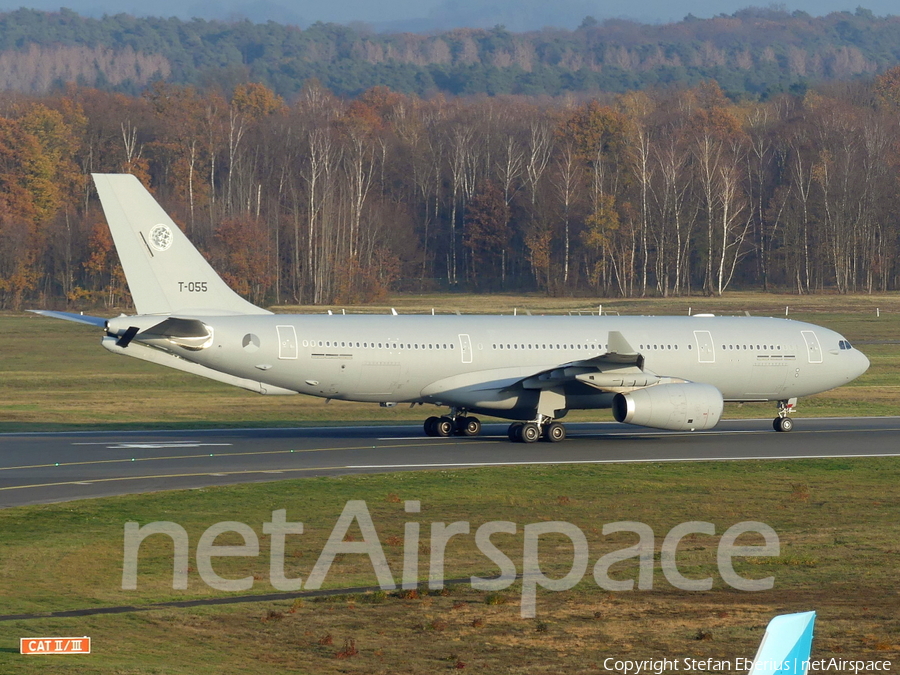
column 706, row 352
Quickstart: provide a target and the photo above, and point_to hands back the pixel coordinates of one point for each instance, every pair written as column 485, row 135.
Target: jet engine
column 679, row 407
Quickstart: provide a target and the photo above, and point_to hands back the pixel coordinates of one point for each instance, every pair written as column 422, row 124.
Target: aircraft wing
column 620, row 367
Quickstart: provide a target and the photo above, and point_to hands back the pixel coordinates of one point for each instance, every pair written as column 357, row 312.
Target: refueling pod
column 680, row 407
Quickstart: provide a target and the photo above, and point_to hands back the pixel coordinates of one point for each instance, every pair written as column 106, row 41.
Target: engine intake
column 679, row 407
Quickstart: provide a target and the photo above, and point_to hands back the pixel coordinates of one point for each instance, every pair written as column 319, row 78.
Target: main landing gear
column 783, row 422
column 519, row 432
column 529, row 432
column 460, row 425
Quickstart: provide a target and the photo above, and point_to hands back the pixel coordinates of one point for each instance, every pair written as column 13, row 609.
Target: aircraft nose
column 861, row 363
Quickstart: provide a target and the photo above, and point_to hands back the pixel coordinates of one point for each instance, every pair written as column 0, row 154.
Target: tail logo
column 160, row 237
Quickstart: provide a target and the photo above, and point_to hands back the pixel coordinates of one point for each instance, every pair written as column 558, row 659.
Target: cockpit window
column 844, row 344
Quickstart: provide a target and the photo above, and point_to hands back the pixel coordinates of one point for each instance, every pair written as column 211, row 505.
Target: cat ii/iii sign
column 55, row 645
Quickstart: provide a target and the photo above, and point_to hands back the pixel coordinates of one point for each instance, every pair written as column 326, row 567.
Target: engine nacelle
column 679, row 407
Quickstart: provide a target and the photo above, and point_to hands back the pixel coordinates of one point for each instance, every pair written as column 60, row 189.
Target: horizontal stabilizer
column 188, row 333
column 175, row 327
column 70, row 316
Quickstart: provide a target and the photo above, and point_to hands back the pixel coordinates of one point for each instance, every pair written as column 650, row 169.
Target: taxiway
column 55, row 467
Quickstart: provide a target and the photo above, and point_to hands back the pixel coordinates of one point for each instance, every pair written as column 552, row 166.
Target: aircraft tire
column 530, row 432
column 444, row 427
column 429, row 426
column 783, row 424
column 468, row 426
column 514, row 432
column 554, row 432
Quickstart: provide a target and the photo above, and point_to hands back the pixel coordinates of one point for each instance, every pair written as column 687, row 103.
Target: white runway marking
column 657, row 460
column 156, row 446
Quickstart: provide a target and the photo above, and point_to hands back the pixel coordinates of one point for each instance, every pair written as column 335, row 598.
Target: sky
column 426, row 15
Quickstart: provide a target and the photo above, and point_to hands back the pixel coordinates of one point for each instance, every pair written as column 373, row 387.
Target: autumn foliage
column 323, row 200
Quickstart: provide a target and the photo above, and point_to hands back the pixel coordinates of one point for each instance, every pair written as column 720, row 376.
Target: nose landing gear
column 783, row 422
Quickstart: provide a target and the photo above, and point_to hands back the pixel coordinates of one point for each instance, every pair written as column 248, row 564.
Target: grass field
column 837, row 522
column 54, row 375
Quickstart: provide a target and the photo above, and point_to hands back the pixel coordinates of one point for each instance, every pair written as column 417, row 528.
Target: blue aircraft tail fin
column 786, row 646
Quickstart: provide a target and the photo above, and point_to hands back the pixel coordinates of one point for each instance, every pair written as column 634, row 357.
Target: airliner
column 664, row 372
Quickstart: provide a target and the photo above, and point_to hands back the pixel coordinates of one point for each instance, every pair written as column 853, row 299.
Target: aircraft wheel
column 783, row 424
column 468, row 426
column 443, row 427
column 530, row 432
column 514, row 432
column 554, row 432
column 429, row 426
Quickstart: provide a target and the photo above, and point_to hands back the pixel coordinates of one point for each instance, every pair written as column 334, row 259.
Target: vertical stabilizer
column 786, row 646
column 166, row 273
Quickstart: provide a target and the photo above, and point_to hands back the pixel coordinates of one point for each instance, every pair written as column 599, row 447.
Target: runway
column 55, row 467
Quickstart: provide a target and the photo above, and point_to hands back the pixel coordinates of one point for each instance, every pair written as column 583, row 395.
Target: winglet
column 619, row 350
column 786, row 646
column 619, row 345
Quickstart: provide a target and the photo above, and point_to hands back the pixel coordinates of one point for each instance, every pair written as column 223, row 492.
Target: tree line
column 325, row 200
column 753, row 53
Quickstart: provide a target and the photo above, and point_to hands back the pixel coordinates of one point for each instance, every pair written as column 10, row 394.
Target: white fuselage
column 444, row 359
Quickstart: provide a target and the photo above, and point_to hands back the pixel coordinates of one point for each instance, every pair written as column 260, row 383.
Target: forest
column 754, row 53
column 330, row 200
